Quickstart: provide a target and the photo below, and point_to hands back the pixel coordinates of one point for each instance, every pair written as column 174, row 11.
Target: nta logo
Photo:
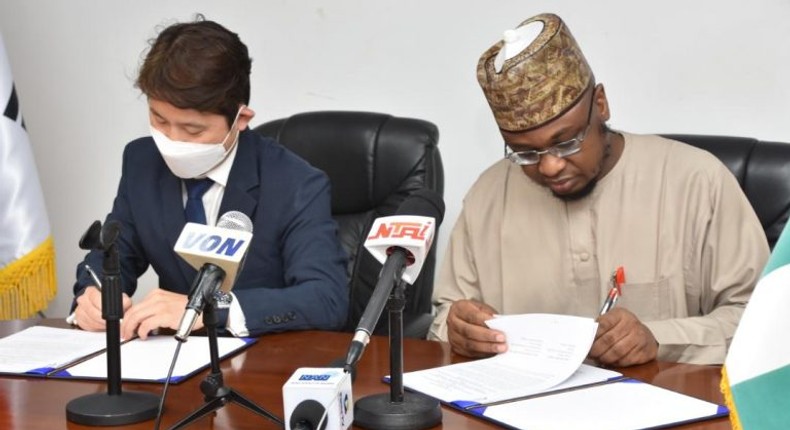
column 398, row 229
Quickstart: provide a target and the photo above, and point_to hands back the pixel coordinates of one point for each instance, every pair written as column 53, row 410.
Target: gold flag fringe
column 725, row 389
column 29, row 283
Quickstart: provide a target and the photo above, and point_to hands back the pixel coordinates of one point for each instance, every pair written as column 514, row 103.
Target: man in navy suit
column 196, row 78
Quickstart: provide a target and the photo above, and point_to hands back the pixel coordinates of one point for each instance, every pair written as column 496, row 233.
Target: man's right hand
column 468, row 333
column 88, row 312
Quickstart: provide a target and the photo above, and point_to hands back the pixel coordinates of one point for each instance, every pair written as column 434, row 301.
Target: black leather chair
column 373, row 161
column 763, row 170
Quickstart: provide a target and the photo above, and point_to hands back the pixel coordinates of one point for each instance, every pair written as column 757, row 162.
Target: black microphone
column 308, row 415
column 218, row 254
column 401, row 242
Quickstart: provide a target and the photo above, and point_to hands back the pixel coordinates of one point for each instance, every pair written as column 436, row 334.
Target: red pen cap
column 619, row 278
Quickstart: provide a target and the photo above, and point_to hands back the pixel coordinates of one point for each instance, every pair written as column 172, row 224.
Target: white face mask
column 191, row 160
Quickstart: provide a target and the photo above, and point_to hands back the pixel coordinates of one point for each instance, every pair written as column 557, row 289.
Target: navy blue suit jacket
column 294, row 275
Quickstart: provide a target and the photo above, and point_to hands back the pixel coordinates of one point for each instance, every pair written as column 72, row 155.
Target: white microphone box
column 312, row 390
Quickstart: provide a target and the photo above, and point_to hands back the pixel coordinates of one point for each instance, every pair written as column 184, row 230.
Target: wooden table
column 259, row 373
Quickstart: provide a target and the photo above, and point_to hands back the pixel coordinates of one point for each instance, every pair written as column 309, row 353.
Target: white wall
column 716, row 67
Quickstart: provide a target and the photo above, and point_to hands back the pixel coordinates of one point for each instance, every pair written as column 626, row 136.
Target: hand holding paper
column 467, row 330
column 541, row 377
column 550, row 347
column 545, row 352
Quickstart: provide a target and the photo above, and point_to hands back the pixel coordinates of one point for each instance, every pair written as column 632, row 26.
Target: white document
column 548, row 347
column 39, row 349
column 623, row 405
column 56, row 352
column 545, row 353
column 150, row 359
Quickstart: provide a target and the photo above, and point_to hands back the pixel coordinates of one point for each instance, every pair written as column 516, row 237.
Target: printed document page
column 150, row 359
column 41, row 349
column 545, row 352
column 625, row 405
column 548, row 347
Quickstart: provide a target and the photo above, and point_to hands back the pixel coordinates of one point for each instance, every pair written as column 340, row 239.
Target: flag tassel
column 29, row 283
column 725, row 389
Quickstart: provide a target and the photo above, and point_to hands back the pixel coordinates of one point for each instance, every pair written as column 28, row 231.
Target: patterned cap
column 537, row 84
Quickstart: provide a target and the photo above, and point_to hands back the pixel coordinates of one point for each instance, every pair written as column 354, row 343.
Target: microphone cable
column 326, row 409
column 167, row 384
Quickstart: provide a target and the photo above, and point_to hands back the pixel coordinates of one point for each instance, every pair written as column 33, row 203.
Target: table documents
column 72, row 353
column 260, row 371
column 541, row 382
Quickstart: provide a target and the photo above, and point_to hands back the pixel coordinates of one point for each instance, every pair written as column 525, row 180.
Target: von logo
column 213, row 243
column 399, row 229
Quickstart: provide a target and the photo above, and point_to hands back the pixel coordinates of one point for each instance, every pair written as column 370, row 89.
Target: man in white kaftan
column 544, row 229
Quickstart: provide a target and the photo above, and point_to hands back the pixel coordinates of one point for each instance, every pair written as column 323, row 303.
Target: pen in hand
column 93, row 276
column 72, row 318
column 618, row 279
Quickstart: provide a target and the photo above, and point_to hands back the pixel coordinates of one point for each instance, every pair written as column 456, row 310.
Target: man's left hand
column 622, row 340
column 160, row 308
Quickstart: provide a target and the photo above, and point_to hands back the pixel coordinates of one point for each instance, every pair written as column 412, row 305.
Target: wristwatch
column 223, row 300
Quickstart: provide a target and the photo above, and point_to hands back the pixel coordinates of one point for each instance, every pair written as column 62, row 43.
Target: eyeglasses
column 559, row 150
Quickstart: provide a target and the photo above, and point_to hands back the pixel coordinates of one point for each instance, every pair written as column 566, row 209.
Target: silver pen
column 93, row 276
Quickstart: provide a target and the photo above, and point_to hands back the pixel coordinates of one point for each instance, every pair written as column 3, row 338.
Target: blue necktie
column 194, row 210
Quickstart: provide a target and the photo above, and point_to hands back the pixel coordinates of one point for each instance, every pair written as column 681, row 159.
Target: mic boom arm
column 206, row 283
column 390, row 274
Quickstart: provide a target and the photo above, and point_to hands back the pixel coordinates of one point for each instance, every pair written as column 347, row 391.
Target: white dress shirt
column 212, row 199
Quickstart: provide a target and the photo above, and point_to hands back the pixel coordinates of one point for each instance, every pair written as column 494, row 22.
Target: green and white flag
column 756, row 373
column 27, row 255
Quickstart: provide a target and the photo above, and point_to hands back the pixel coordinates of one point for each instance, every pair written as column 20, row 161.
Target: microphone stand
column 115, row 407
column 399, row 410
column 216, row 394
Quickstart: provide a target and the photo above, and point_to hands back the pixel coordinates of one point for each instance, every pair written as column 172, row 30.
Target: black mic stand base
column 113, row 408
column 416, row 411
column 215, row 393
column 398, row 410
column 230, row 396
column 103, row 409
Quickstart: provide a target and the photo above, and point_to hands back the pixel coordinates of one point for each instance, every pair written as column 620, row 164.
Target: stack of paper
column 542, row 383
column 72, row 353
column 544, row 352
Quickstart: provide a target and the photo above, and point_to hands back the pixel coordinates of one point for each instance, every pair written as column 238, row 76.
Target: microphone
column 401, row 242
column 218, row 255
column 309, row 398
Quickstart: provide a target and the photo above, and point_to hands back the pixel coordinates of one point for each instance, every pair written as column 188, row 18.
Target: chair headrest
column 761, row 168
column 368, row 156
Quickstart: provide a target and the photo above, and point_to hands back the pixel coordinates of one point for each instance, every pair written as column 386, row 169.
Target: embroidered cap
column 534, row 75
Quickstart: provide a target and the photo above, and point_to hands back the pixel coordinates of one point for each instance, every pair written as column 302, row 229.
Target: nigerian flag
column 27, row 255
column 756, row 374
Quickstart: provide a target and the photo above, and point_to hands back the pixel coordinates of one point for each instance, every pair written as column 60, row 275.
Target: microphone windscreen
column 423, row 202
column 92, row 237
column 235, row 220
column 307, row 415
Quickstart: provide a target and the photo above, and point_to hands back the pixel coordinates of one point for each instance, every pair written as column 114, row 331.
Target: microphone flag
column 410, row 232
column 199, row 244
